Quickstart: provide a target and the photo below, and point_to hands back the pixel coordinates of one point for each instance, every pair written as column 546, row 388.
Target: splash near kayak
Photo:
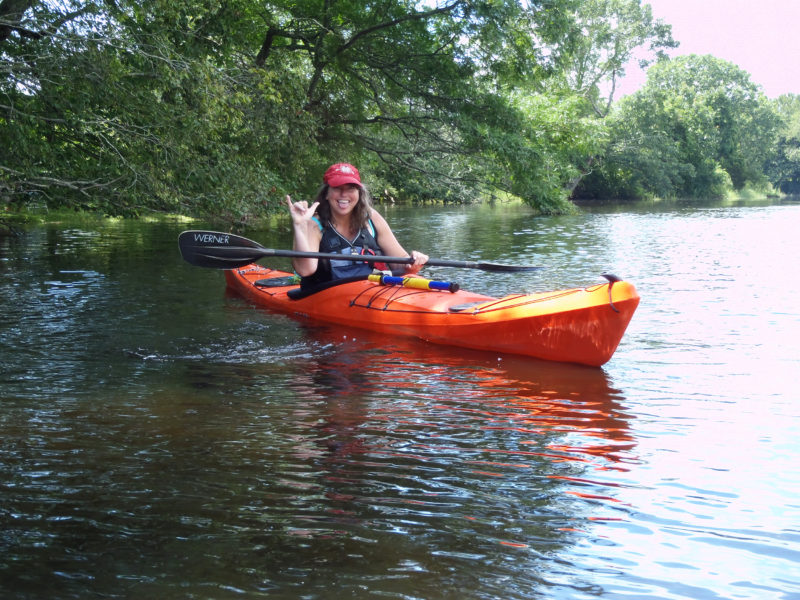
column 582, row 325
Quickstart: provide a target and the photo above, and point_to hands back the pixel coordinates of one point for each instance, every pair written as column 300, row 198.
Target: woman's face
column 343, row 199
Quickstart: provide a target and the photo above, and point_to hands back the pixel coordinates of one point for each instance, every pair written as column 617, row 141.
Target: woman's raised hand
column 301, row 212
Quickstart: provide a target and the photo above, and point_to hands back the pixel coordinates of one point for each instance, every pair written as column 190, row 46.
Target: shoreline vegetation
column 18, row 220
column 219, row 110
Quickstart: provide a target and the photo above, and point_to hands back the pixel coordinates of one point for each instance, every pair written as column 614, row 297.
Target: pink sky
column 760, row 36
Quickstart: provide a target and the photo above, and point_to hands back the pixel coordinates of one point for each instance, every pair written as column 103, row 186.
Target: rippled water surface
column 160, row 438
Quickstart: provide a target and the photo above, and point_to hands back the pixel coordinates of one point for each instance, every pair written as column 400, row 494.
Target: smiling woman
column 341, row 220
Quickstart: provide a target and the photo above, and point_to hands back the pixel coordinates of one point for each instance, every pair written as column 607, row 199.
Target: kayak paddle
column 218, row 250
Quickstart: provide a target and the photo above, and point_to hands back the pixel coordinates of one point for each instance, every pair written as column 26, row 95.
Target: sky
column 762, row 37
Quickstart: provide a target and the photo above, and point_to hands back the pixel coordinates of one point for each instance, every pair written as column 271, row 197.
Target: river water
column 160, row 438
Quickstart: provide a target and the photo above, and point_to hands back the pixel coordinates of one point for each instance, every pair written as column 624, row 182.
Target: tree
column 784, row 169
column 193, row 105
column 198, row 106
column 601, row 40
column 698, row 127
column 122, row 107
column 412, row 92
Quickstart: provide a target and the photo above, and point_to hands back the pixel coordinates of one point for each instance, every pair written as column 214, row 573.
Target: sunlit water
column 162, row 439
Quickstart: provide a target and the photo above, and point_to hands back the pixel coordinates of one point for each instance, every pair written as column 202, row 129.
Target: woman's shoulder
column 377, row 218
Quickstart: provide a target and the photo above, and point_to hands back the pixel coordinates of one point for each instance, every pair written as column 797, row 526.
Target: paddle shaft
column 398, row 260
column 228, row 251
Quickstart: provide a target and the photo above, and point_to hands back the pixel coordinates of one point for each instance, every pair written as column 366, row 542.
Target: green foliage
column 197, row 106
column 697, row 128
column 595, row 48
column 221, row 108
column 134, row 111
column 401, row 89
column 783, row 169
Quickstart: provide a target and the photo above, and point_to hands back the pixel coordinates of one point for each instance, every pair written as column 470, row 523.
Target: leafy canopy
column 697, row 128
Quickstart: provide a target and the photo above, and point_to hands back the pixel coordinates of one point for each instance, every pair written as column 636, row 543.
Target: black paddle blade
column 218, row 250
column 499, row 268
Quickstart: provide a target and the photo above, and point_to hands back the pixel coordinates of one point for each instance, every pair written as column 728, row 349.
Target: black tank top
column 333, row 242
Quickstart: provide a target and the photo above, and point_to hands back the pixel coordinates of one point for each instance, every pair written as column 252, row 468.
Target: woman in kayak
column 341, row 220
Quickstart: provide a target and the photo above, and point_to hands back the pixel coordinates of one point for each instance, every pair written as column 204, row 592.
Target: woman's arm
column 307, row 235
column 391, row 247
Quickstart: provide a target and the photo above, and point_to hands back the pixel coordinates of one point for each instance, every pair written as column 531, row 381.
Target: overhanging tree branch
column 393, row 23
column 12, row 12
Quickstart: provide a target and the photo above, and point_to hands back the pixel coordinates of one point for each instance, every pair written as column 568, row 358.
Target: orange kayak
column 582, row 325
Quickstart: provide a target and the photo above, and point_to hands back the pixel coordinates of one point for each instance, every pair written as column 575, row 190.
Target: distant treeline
column 220, row 108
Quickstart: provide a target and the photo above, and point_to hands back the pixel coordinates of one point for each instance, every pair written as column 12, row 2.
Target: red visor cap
column 342, row 174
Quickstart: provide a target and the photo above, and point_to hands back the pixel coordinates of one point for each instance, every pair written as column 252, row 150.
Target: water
column 162, row 439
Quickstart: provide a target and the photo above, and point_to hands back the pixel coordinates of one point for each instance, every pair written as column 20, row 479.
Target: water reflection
column 465, row 454
column 507, row 395
column 337, row 461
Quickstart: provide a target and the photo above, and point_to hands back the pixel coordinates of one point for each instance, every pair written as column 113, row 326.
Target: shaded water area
column 160, row 438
